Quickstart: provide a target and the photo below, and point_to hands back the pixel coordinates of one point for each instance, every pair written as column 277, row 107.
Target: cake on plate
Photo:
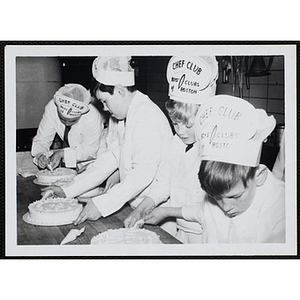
column 58, row 176
column 53, row 211
column 126, row 236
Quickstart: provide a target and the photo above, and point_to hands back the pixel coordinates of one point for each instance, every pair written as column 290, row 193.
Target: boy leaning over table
column 177, row 181
column 245, row 202
column 143, row 134
column 77, row 122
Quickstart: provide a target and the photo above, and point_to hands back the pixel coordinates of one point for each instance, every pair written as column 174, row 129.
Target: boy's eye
column 188, row 126
column 236, row 197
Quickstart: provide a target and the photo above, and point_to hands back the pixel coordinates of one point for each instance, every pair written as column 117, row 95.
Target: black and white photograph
column 144, row 150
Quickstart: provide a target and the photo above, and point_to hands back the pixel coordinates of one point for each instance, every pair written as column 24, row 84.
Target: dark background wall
column 38, row 78
column 265, row 92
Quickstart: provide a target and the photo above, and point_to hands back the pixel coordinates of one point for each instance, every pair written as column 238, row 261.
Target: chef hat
column 72, row 100
column 112, row 70
column 192, row 79
column 231, row 130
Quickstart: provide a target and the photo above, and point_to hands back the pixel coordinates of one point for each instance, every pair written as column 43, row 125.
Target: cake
column 126, row 236
column 59, row 175
column 53, row 211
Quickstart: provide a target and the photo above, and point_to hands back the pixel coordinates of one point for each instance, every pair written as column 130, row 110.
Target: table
column 28, row 234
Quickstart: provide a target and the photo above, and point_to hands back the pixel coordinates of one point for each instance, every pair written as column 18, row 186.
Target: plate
column 59, row 183
column 26, row 218
column 36, row 181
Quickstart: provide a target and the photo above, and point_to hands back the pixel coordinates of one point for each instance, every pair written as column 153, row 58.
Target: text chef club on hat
column 230, row 129
column 72, row 100
column 192, row 79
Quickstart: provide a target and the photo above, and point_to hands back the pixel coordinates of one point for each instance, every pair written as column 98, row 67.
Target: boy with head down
column 76, row 121
column 245, row 202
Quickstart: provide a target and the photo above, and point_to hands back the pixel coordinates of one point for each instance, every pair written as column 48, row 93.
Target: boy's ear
column 261, row 175
column 120, row 89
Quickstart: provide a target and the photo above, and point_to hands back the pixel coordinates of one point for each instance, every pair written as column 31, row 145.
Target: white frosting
column 60, row 174
column 126, row 236
column 54, row 211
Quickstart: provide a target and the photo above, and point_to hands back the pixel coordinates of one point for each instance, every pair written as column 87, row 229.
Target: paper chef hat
column 192, row 79
column 231, row 130
column 112, row 70
column 72, row 100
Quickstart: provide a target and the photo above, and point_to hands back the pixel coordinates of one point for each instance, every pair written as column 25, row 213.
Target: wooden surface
column 28, row 234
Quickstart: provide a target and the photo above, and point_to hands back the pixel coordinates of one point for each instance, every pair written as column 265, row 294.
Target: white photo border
column 290, row 59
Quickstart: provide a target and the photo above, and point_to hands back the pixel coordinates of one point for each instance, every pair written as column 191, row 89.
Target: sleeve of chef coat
column 193, row 213
column 46, row 131
column 93, row 176
column 279, row 165
column 160, row 188
column 149, row 137
column 91, row 127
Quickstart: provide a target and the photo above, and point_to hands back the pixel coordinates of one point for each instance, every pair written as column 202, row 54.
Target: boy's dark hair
column 218, row 178
column 107, row 88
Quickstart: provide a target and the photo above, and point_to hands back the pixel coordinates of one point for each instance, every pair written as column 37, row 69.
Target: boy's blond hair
column 180, row 112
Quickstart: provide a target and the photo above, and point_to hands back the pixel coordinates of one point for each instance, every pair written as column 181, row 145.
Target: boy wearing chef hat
column 143, row 132
column 245, row 202
column 192, row 80
column 77, row 122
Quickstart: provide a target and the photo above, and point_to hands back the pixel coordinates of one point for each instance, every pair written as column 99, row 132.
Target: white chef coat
column 262, row 222
column 279, row 165
column 142, row 139
column 178, row 179
column 84, row 136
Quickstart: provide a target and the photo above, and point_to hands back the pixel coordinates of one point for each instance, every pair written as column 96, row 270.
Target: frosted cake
column 126, row 236
column 59, row 175
column 53, row 212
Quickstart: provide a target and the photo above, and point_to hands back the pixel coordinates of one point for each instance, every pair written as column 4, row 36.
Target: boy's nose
column 225, row 205
column 180, row 129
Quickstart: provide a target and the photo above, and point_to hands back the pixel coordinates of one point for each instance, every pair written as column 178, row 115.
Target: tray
column 26, row 218
column 59, row 183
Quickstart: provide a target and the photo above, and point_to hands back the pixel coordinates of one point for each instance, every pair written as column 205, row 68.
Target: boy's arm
column 93, row 176
column 161, row 213
column 146, row 205
column 46, row 131
column 190, row 213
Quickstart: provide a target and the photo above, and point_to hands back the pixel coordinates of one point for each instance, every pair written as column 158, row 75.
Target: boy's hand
column 134, row 216
column 56, row 158
column 89, row 212
column 42, row 161
column 156, row 215
column 57, row 191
